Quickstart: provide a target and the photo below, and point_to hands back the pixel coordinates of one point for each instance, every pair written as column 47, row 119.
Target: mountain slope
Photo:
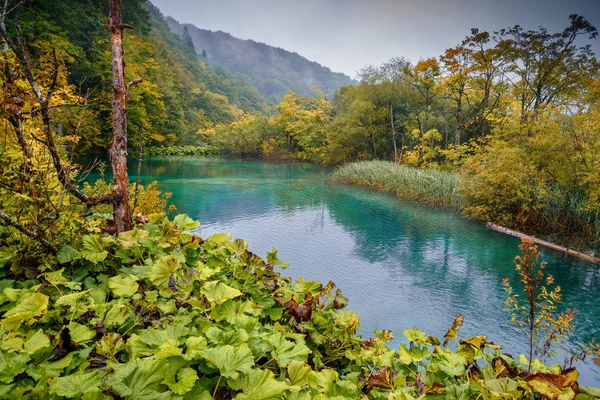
column 273, row 71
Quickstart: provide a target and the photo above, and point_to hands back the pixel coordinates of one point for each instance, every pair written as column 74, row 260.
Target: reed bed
column 424, row 184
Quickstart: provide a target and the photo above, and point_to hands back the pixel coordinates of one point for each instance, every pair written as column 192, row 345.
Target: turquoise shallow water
column 401, row 264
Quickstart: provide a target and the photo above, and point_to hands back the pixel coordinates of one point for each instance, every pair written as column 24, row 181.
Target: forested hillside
column 272, row 70
column 180, row 93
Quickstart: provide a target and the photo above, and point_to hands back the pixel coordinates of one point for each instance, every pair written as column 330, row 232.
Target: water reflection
column 402, row 264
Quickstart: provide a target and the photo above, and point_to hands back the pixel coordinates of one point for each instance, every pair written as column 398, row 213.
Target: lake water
column 401, row 263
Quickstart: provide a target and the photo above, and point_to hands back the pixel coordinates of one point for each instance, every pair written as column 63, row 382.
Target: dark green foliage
column 181, row 151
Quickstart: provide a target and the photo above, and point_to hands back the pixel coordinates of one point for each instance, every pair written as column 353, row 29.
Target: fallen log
column 544, row 243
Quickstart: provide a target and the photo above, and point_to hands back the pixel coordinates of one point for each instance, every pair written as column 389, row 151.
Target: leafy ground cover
column 160, row 313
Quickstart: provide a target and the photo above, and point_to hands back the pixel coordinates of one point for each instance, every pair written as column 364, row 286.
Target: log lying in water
column 544, row 243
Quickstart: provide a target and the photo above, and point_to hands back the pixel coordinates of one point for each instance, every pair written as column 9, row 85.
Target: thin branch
column 34, row 235
column 136, row 81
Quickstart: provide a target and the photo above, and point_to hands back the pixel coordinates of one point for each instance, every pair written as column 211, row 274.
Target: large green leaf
column 67, row 254
column 140, row 379
column 186, row 378
column 217, row 292
column 184, row 223
column 38, row 341
column 298, row 372
column 11, row 365
column 131, row 238
column 75, row 386
column 161, row 271
column 31, row 306
column 92, row 249
column 260, row 385
column 417, row 336
column 285, row 351
column 230, row 360
column 123, row 287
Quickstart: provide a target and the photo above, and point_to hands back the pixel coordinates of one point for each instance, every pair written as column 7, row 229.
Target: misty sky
column 346, row 35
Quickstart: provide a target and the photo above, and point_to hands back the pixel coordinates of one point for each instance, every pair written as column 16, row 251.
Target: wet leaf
column 123, row 287
column 553, row 386
column 453, row 330
column 217, row 292
column 417, row 336
column 75, row 386
column 27, row 310
column 381, row 379
column 260, row 385
column 230, row 360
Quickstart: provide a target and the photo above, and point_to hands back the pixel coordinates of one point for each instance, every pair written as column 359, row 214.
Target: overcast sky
column 346, row 35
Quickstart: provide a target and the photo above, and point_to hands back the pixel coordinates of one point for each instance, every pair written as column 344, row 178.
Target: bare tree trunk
column 459, row 122
column 396, row 158
column 118, row 150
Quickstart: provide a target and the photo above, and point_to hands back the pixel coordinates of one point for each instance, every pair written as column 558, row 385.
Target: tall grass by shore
column 424, row 184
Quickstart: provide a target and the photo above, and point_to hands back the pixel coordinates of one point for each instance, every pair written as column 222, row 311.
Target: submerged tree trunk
column 118, row 150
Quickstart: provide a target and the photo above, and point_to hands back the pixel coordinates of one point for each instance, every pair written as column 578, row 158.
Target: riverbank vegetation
column 431, row 185
column 515, row 113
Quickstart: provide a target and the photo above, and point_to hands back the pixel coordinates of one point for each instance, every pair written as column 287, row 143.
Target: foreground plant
column 537, row 316
column 160, row 313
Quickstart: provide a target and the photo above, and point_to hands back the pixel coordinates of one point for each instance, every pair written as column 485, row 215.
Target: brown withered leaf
column 503, row 368
column 453, row 330
column 301, row 312
column 110, row 227
column 553, row 386
column 141, row 218
column 97, row 360
column 381, row 379
column 65, row 344
column 420, row 385
column 100, row 330
column 340, row 301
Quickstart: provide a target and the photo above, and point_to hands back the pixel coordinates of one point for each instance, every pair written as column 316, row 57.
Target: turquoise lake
column 401, row 263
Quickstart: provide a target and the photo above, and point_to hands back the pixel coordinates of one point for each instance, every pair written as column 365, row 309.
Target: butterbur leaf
column 298, row 373
column 553, row 386
column 186, row 378
column 11, row 365
column 184, row 223
column 453, row 330
column 230, row 360
column 286, row 351
column 217, row 292
column 131, row 238
column 123, row 287
column 67, row 254
column 32, row 306
column 75, row 386
column 220, row 238
column 339, row 301
column 417, row 336
column 301, row 312
column 38, row 341
column 503, row 387
column 140, row 379
column 161, row 271
column 260, row 385
column 381, row 379
column 92, row 249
